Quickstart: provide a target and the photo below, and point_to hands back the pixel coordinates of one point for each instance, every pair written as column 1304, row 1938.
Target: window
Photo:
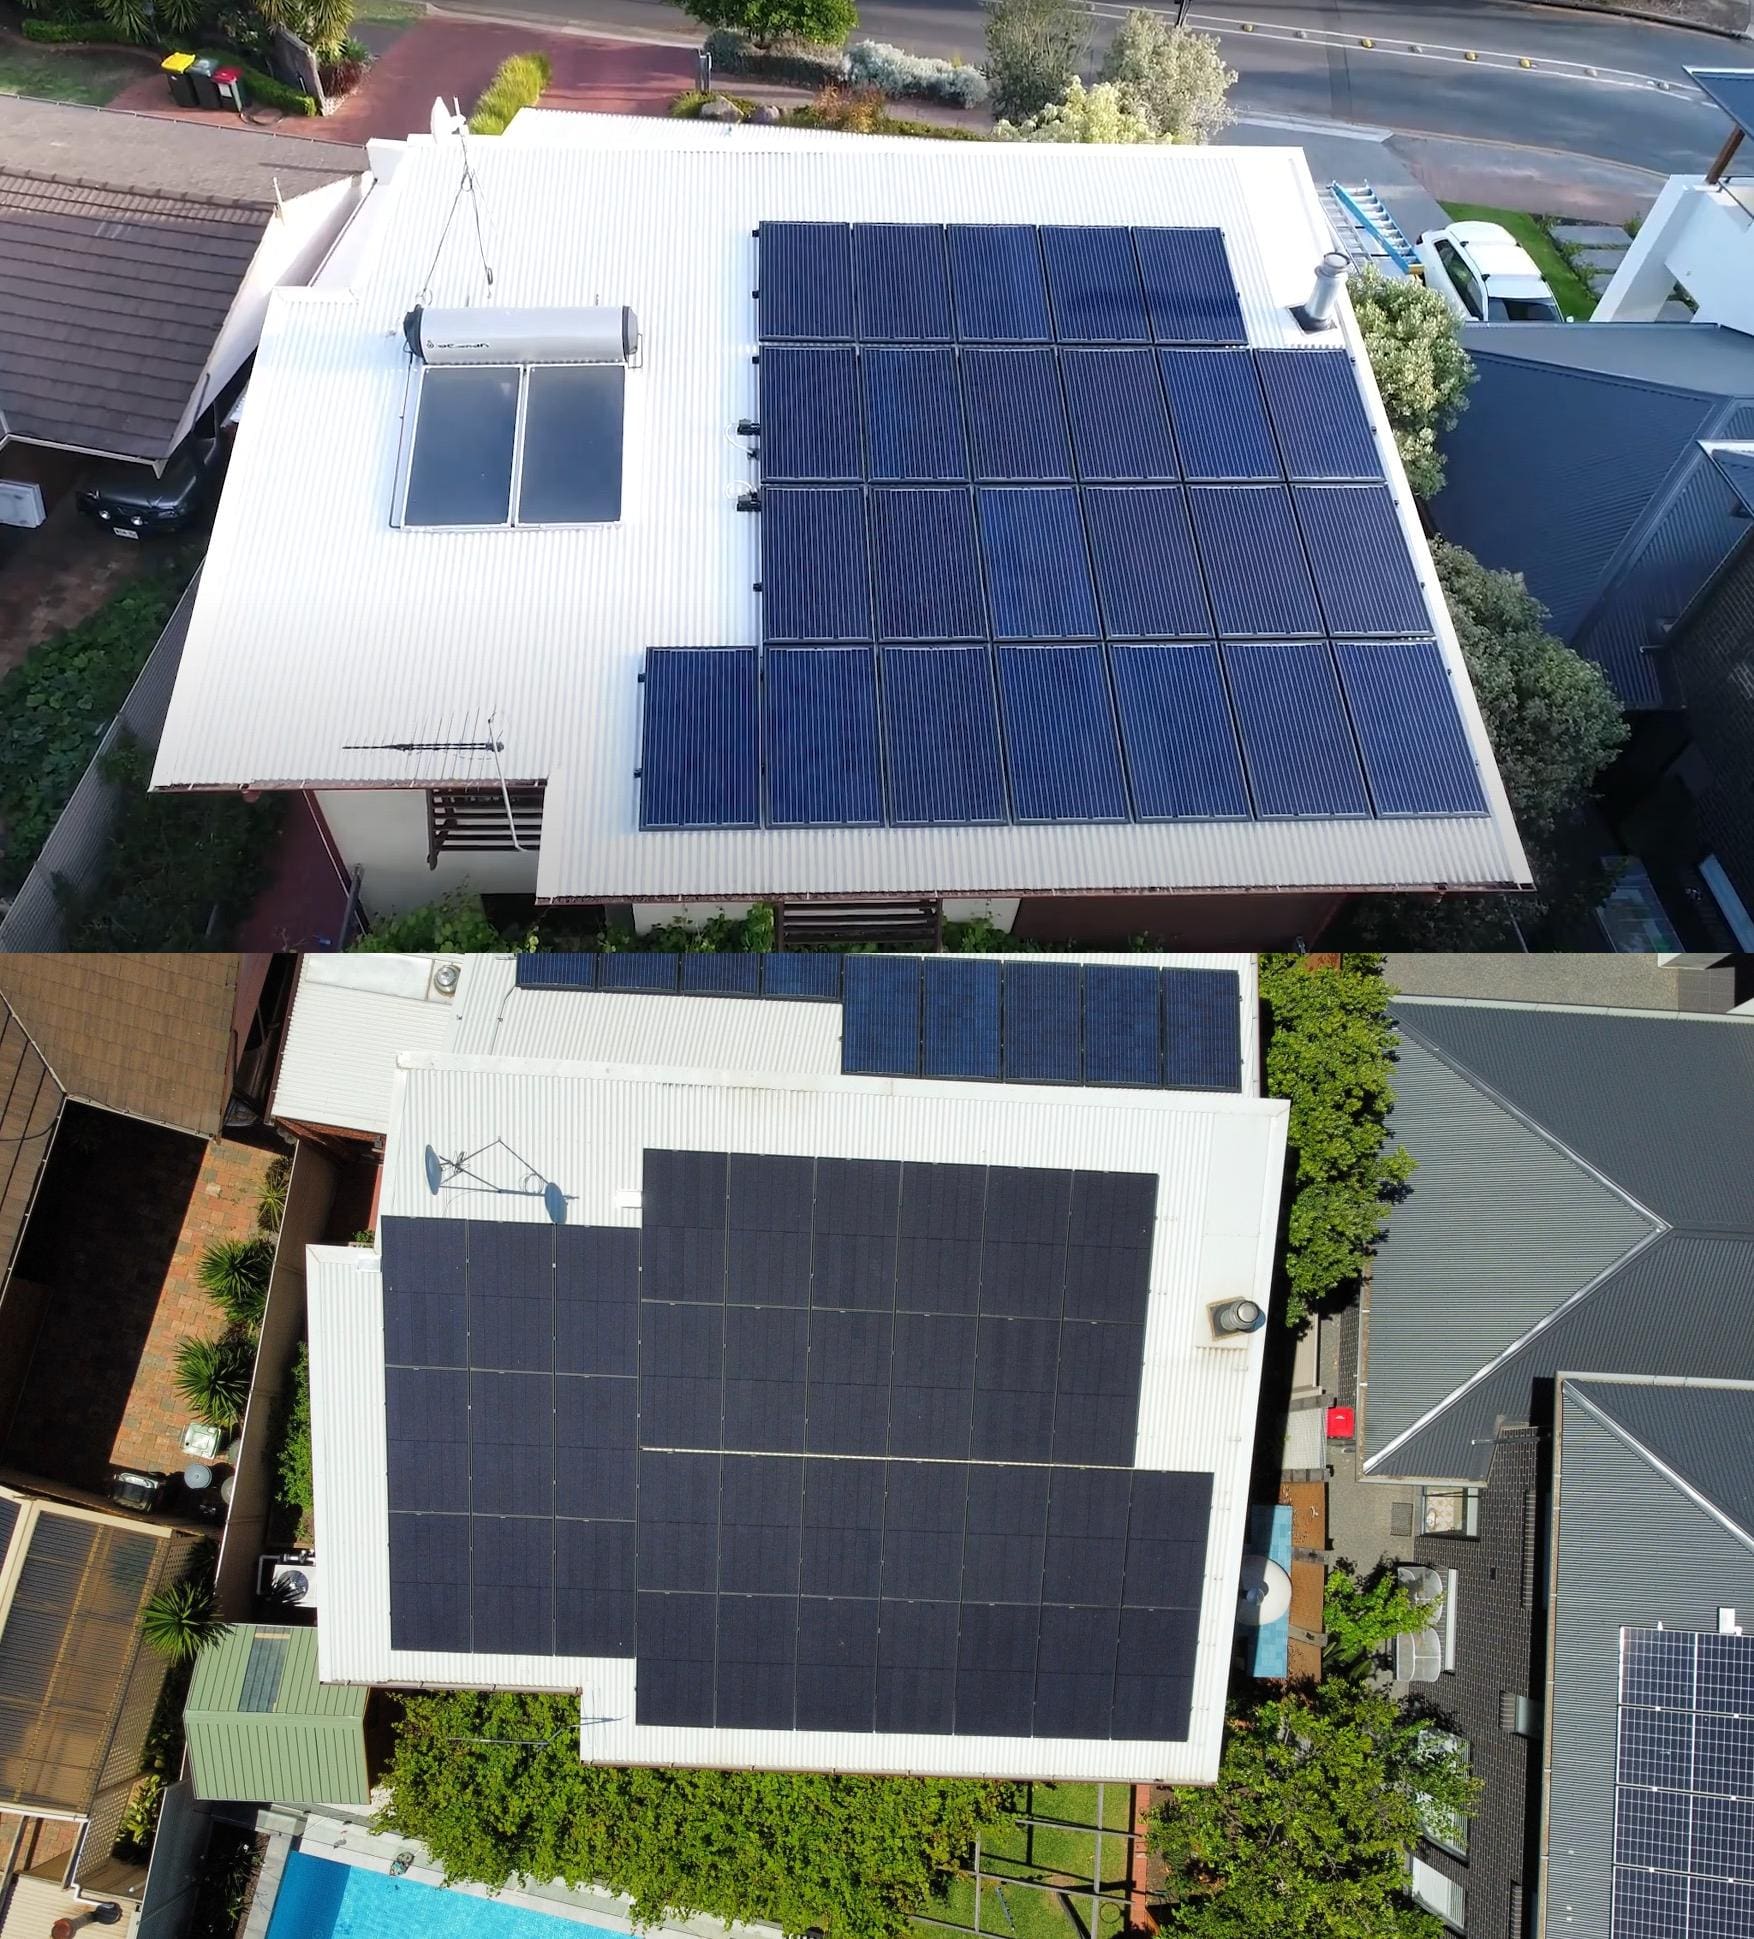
column 508, row 445
column 1439, row 1894
column 1450, row 1511
column 1462, row 277
column 1522, row 309
column 474, row 820
column 1448, row 1830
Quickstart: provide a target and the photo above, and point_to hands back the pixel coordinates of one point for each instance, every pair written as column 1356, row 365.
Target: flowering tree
column 1173, row 78
column 1104, row 113
column 1420, row 366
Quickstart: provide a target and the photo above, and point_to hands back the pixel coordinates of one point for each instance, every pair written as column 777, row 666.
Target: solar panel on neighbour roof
column 806, row 281
column 959, row 1029
column 1016, row 415
column 1202, row 1032
column 815, row 576
column 1416, row 754
column 928, row 565
column 1188, row 286
column 1094, row 285
column 903, row 282
column 1000, row 290
column 1239, row 527
column 1295, row 735
column 1220, row 421
column 880, row 1015
column 1038, row 568
column 1147, row 575
column 810, row 413
column 1363, row 571
column 1120, row 428
column 698, row 758
column 1318, row 413
column 913, row 415
column 1180, row 741
column 1065, row 762
column 941, row 735
column 819, row 707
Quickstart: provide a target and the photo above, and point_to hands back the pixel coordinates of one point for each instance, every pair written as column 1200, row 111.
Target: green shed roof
column 262, row 1729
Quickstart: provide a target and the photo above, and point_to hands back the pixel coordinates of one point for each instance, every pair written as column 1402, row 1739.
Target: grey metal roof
column 110, row 302
column 1578, row 465
column 1659, row 1107
column 1735, row 462
column 1703, row 1435
column 1632, row 1550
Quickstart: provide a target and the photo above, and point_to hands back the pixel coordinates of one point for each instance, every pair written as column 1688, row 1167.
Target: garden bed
column 1053, row 1844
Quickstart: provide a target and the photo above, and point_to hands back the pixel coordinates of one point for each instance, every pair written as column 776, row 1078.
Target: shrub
column 275, row 94
column 1330, row 1049
column 1174, row 77
column 271, row 1199
column 234, row 1274
column 1360, row 1615
column 76, row 33
column 341, row 76
column 292, row 1460
column 180, row 1622
column 1034, row 50
column 517, row 83
column 1415, row 347
column 180, row 870
column 1104, row 113
column 213, row 1376
column 897, row 73
column 453, row 923
column 817, row 23
column 794, row 66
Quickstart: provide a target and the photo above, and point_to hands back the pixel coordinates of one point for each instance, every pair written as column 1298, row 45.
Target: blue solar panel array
column 977, row 439
column 943, row 1016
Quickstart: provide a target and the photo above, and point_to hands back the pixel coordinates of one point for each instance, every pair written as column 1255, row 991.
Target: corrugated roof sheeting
column 1705, row 1435
column 30, row 1103
column 1219, row 1160
column 1631, row 1550
column 1538, row 1228
column 332, row 676
column 338, row 1057
column 308, row 1747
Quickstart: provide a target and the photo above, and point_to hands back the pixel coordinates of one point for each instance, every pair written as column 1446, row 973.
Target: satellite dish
column 435, row 1171
column 1263, row 1592
column 554, row 1199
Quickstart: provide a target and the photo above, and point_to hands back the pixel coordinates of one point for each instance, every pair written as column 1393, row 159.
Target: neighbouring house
column 261, row 1727
column 1545, row 1362
column 885, row 1327
column 1014, row 552
column 1612, row 464
column 136, row 260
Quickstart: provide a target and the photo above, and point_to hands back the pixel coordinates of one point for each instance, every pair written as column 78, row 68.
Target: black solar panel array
column 826, row 1444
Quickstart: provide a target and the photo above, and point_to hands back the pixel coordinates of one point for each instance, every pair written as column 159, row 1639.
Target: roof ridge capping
column 259, row 205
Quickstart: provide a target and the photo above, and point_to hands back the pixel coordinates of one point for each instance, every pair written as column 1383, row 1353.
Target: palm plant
column 234, row 1273
column 180, row 1622
column 177, row 16
column 271, row 1200
column 213, row 1376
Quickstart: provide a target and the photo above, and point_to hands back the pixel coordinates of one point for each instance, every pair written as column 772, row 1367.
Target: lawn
column 1059, row 1854
column 1573, row 294
column 65, row 74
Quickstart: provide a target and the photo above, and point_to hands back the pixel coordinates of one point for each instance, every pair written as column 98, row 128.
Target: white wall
column 1697, row 235
column 291, row 251
column 383, row 831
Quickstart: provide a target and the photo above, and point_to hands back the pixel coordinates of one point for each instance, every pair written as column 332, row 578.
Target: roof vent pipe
column 1234, row 1316
column 1318, row 312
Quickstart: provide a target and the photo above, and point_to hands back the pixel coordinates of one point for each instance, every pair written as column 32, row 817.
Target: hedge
column 518, row 83
column 795, row 66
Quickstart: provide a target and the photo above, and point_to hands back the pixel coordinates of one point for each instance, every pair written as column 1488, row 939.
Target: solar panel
column 903, row 282
column 1363, row 571
column 1038, row 566
column 1189, row 289
column 1147, row 576
column 806, row 281
column 465, row 434
column 1295, row 735
column 801, row 974
column 569, row 465
column 928, row 567
column 1042, row 1023
column 1255, row 571
column 959, row 1030
column 721, row 973
column 429, row 1582
column 1180, row 741
column 511, row 1594
column 556, row 969
column 1120, row 426
column 810, row 413
column 1016, row 415
column 1062, row 753
column 820, row 710
column 1221, row 427
column 1122, row 1025
column 880, row 1012
column 1318, row 412
column 913, row 414
column 1202, row 1030
column 699, row 759
column 637, row 969
column 757, row 1660
column 996, row 276
column 1094, row 284
column 1416, row 752
column 814, row 574
column 941, row 736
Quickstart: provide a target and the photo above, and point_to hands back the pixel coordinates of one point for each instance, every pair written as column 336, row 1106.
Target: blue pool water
column 320, row 1899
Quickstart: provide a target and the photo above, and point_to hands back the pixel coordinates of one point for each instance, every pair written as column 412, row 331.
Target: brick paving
column 118, row 1236
column 455, row 59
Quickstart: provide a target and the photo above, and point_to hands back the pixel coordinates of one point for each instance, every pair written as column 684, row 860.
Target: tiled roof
column 110, row 301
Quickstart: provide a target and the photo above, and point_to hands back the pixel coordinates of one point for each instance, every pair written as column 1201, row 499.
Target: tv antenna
column 445, row 1173
column 446, row 124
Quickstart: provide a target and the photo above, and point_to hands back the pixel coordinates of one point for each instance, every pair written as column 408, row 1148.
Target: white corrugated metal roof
column 1219, row 1161
column 353, row 1016
column 377, row 636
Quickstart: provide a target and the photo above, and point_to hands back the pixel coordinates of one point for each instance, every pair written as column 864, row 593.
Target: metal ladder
column 1364, row 230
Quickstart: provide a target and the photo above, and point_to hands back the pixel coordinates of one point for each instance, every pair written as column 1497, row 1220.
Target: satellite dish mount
column 462, row 1174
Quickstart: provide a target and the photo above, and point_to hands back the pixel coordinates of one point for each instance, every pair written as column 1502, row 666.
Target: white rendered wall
column 383, row 832
column 1697, row 235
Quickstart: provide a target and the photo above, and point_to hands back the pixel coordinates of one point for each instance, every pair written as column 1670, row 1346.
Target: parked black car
column 134, row 503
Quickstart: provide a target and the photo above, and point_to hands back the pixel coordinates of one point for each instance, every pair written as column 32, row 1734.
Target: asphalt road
column 1617, row 114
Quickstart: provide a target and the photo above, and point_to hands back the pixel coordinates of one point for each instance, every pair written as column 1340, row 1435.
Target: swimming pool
column 323, row 1899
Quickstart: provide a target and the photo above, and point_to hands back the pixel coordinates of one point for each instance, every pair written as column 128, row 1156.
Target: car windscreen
column 1522, row 309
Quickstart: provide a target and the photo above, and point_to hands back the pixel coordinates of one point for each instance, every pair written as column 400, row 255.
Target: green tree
column 1104, row 113
column 818, row 23
column 179, row 1622
column 1415, row 348
column 1362, row 1613
column 855, row 1855
column 1175, row 78
column 1330, row 1046
column 1320, row 1797
column 1034, row 51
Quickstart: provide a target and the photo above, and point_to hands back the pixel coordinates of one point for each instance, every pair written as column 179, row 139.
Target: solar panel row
column 1041, row 1023
column 832, row 414
column 1053, row 731
column 998, row 282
